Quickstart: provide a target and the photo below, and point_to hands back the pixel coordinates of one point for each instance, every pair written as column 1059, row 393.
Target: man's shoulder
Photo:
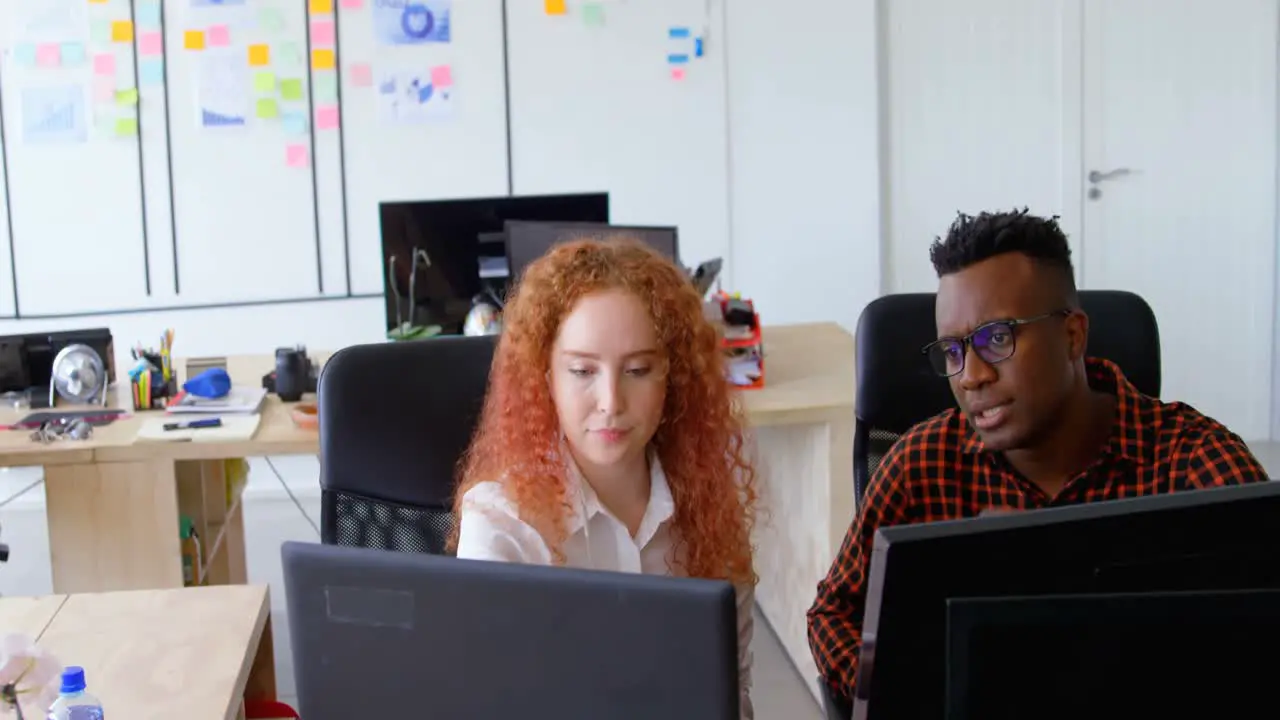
column 1183, row 428
column 946, row 430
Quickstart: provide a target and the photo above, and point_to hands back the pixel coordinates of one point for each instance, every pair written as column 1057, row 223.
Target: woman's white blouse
column 491, row 529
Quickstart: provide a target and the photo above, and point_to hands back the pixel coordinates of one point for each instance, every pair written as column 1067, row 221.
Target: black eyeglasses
column 994, row 342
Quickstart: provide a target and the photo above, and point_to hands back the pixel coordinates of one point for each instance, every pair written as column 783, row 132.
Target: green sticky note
column 268, row 109
column 325, row 87
column 271, row 19
column 593, row 14
column 291, row 89
column 100, row 31
column 288, row 54
column 264, row 82
column 127, row 97
column 126, row 127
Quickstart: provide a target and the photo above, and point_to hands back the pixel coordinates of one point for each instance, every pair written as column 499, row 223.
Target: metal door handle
column 1096, row 176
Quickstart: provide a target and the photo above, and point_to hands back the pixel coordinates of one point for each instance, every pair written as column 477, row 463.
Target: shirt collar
column 1130, row 435
column 586, row 504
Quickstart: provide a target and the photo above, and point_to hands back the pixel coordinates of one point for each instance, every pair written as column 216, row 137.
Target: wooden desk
column 193, row 653
column 113, row 502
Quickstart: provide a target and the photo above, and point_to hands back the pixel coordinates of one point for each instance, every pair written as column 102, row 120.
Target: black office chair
column 897, row 388
column 395, row 419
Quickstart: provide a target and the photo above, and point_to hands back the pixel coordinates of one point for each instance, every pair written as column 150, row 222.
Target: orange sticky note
column 323, row 59
column 259, row 55
column 122, row 31
column 321, row 7
column 556, row 7
column 193, row 40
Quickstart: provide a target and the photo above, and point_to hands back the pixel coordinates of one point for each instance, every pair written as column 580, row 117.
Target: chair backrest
column 395, row 419
column 897, row 388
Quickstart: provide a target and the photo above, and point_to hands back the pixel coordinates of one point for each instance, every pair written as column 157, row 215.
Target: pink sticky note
column 150, row 43
column 104, row 89
column 352, row 4
column 322, row 34
column 49, row 55
column 361, row 75
column 441, row 76
column 104, row 65
column 218, row 36
column 677, row 73
column 295, row 156
column 327, row 117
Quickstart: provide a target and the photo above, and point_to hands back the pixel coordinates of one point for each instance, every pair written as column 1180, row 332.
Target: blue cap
column 72, row 679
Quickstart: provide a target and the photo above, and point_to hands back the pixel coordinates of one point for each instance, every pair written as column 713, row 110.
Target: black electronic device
column 1215, row 539
column 529, row 240
column 295, row 374
column 26, row 360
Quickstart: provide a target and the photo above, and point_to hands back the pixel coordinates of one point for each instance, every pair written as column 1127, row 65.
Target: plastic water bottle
column 73, row 702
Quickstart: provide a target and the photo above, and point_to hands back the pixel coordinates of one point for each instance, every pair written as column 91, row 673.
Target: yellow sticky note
column 268, row 109
column 193, row 40
column 321, row 7
column 259, row 55
column 126, row 126
column 556, row 7
column 122, row 31
column 127, row 97
column 323, row 59
column 264, row 82
column 97, row 2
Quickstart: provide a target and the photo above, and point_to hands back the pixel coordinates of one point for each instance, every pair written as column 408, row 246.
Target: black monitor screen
column 463, row 240
column 528, row 241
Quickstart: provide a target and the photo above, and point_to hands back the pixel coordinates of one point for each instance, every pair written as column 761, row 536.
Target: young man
column 1038, row 423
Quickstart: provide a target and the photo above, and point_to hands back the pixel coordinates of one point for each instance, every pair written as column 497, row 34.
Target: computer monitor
column 383, row 634
column 1216, row 539
column 465, row 243
column 528, row 241
column 1124, row 655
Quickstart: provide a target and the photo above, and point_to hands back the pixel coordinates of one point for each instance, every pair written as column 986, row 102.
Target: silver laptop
column 382, row 634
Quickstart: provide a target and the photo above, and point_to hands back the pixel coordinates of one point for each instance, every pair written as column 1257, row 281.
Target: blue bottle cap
column 73, row 679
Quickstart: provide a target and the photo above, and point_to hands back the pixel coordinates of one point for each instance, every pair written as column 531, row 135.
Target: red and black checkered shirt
column 938, row 470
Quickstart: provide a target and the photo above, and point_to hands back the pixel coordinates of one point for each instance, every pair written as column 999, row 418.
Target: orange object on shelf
column 742, row 341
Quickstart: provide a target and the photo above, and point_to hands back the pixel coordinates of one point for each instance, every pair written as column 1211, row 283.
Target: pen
column 194, row 424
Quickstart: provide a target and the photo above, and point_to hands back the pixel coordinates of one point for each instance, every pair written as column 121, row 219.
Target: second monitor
column 527, row 240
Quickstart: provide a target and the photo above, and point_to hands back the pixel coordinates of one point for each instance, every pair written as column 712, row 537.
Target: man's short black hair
column 973, row 239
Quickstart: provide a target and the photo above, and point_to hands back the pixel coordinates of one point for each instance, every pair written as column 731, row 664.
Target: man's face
column 1013, row 403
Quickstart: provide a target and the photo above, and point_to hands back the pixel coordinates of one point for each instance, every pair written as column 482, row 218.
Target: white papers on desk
column 234, row 428
column 241, row 399
column 744, row 369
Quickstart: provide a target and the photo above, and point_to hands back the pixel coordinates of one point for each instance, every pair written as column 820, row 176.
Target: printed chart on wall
column 414, row 92
column 49, row 36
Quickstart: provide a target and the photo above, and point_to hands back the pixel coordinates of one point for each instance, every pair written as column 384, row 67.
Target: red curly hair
column 700, row 441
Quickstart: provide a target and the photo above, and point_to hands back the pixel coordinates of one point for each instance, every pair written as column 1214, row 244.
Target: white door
column 1180, row 126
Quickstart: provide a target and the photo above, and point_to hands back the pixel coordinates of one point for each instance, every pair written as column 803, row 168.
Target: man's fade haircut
column 973, row 239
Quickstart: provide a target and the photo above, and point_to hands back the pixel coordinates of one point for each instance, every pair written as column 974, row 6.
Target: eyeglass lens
column 993, row 343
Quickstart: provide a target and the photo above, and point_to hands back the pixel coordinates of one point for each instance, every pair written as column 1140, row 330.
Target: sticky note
column 193, row 40
column 289, row 54
column 147, row 14
column 126, row 126
column 677, row 73
column 218, row 36
column 291, row 89
column 322, row 32
column 321, row 7
column 104, row 89
column 122, row 31
column 270, row 19
column 24, row 54
column 294, row 122
column 323, row 59
column 127, row 97
column 48, row 55
column 678, row 33
column 100, row 31
column 259, row 55
column 73, row 53
column 151, row 43
column 97, row 2
column 104, row 64
column 324, row 86
column 327, row 117
column 151, row 71
column 593, row 15
column 677, row 58
column 268, row 109
column 295, row 155
column 555, row 7
column 441, row 76
column 360, row 75
column 352, row 4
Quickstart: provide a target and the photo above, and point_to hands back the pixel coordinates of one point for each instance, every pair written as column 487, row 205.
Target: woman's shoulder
column 489, row 496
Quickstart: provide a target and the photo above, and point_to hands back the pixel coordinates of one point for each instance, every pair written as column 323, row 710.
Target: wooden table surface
column 809, row 377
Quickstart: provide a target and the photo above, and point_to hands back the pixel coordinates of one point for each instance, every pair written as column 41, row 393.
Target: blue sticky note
column 73, row 53
column 677, row 58
column 151, row 71
column 294, row 122
column 24, row 54
column 147, row 14
column 678, row 33
column 697, row 47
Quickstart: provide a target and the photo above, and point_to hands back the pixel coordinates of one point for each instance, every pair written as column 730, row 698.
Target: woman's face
column 608, row 379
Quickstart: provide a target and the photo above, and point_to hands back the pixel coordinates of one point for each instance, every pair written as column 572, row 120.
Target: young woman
column 609, row 438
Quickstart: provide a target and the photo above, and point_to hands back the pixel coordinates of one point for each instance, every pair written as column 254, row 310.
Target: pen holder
column 151, row 391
